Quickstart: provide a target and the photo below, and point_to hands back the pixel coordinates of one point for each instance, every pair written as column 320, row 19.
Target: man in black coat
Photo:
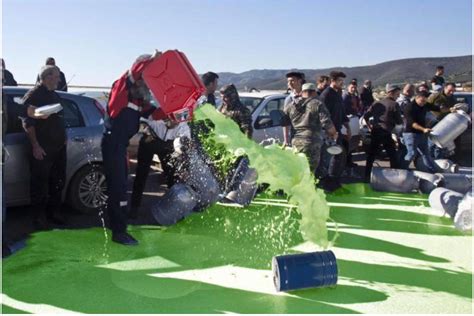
column 62, row 85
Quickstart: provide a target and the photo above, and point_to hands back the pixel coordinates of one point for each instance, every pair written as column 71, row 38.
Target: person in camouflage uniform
column 234, row 109
column 309, row 116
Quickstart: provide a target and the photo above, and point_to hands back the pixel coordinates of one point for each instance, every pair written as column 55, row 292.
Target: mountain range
column 457, row 69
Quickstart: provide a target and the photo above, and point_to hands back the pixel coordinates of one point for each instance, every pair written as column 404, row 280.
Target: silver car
column 260, row 105
column 85, row 188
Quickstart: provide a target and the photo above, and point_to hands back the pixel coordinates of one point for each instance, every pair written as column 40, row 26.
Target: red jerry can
column 175, row 84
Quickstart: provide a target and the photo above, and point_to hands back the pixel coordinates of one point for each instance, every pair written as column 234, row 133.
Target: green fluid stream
column 281, row 169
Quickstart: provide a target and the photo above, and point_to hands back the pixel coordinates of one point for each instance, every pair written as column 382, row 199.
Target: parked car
column 260, row 104
column 85, row 188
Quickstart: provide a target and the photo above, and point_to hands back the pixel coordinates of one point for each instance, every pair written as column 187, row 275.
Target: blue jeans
column 417, row 144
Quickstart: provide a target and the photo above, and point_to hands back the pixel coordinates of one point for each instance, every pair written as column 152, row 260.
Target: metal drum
column 458, row 182
column 243, row 184
column 449, row 128
column 445, row 200
column 428, row 181
column 353, row 124
column 306, row 270
column 463, row 217
column 393, row 180
column 176, row 204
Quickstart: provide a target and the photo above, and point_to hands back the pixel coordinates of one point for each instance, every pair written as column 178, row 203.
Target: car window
column 264, row 115
column 276, row 104
column 72, row 114
column 251, row 102
column 14, row 123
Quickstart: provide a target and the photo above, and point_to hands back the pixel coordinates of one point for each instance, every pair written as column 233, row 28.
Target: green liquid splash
column 281, row 169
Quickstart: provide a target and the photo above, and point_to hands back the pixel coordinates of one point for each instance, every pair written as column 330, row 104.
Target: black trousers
column 337, row 163
column 47, row 181
column 114, row 155
column 380, row 137
column 148, row 147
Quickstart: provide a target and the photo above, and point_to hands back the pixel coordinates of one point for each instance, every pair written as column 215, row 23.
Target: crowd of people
column 315, row 117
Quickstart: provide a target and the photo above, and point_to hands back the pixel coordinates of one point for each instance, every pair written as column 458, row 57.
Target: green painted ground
column 394, row 255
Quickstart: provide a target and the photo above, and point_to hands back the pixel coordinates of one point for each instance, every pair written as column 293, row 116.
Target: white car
column 260, row 104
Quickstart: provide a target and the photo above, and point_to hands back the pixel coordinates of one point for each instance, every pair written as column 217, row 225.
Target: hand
column 38, row 152
column 427, row 130
column 335, row 136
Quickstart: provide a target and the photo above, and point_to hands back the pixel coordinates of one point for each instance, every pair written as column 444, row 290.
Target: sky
column 95, row 41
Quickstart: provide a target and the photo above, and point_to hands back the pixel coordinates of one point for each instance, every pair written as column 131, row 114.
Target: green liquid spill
column 281, row 169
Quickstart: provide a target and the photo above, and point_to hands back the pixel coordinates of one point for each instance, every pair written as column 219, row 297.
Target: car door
column 81, row 146
column 265, row 132
column 17, row 156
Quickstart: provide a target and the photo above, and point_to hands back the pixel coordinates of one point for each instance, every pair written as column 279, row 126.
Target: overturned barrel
column 305, row 270
column 446, row 166
column 202, row 180
column 393, row 180
column 428, row 181
column 177, row 203
column 463, row 217
column 465, row 170
column 243, row 184
column 445, row 200
column 449, row 128
column 461, row 183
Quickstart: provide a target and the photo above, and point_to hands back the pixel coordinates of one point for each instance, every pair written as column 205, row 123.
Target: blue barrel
column 306, row 270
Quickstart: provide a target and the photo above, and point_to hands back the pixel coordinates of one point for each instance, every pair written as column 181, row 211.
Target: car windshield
column 251, row 102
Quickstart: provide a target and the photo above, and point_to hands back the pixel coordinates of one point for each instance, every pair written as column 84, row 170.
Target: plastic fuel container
column 175, row 84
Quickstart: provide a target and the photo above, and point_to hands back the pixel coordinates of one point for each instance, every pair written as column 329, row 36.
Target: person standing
column 159, row 142
column 322, row 83
column 62, row 85
column 416, row 132
column 7, row 76
column 438, row 79
column 366, row 95
column 406, row 96
column 332, row 99
column 48, row 142
column 295, row 81
column 129, row 99
column 308, row 117
column 381, row 118
column 234, row 109
column 210, row 82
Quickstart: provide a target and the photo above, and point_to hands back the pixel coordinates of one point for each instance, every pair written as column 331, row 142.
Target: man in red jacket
column 129, row 100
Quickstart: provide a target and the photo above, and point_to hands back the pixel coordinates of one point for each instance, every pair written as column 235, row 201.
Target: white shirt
column 165, row 133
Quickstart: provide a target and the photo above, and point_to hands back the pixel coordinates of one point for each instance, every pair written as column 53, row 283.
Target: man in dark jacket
column 48, row 142
column 234, row 109
column 7, row 77
column 129, row 100
column 366, row 95
column 381, row 118
column 332, row 99
column 62, row 85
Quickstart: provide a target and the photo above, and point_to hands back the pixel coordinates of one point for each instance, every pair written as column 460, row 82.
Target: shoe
column 124, row 239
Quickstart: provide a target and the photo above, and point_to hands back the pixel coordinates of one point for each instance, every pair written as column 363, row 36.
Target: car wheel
column 88, row 189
